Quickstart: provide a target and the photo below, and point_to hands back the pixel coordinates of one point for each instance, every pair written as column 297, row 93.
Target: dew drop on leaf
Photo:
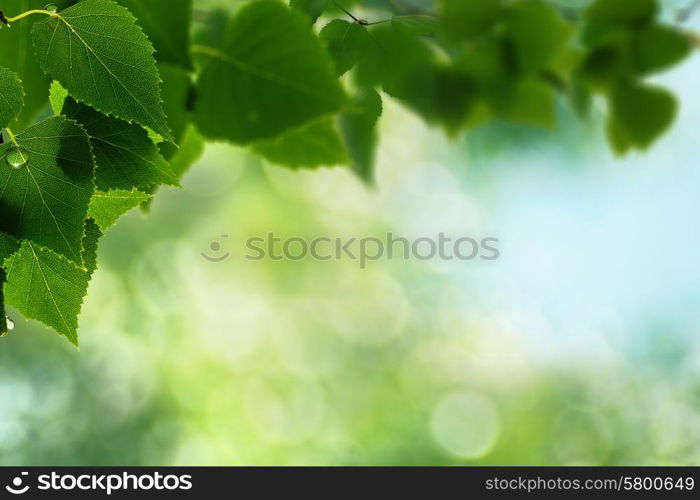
column 17, row 157
column 52, row 7
column 10, row 325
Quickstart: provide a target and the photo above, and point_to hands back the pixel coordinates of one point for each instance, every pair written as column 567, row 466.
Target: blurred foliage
column 462, row 63
column 302, row 85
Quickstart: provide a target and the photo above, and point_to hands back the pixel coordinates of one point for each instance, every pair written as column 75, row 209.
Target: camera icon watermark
column 215, row 247
column 18, row 487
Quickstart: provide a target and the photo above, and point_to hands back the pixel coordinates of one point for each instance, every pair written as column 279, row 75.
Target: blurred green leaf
column 312, row 8
column 312, row 145
column 177, row 91
column 530, row 101
column 347, row 43
column 658, row 47
column 605, row 18
column 270, row 75
column 210, row 33
column 463, row 20
column 358, row 126
column 191, row 149
column 607, row 64
column 538, row 34
column 417, row 25
column 639, row 114
column 167, row 23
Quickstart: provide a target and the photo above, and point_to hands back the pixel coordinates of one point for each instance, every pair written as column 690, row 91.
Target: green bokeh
column 578, row 347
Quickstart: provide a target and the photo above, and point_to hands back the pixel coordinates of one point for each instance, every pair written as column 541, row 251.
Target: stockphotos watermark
column 361, row 250
column 99, row 483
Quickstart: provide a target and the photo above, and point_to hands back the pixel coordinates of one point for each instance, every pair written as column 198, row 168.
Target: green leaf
column 96, row 50
column 530, row 101
column 125, row 156
column 606, row 18
column 16, row 54
column 639, row 114
column 346, row 42
column 191, row 149
column 538, row 34
column 312, row 145
column 358, row 127
column 107, row 207
column 93, row 233
column 417, row 25
column 57, row 97
column 210, row 32
column 11, row 96
column 177, row 92
column 167, row 24
column 312, row 8
column 46, row 287
column 4, row 326
column 656, row 48
column 272, row 74
column 392, row 56
column 607, row 64
column 440, row 94
column 8, row 246
column 622, row 12
column 463, row 20
column 45, row 200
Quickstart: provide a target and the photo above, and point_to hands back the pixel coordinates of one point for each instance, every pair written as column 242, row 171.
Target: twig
column 346, row 11
column 684, row 15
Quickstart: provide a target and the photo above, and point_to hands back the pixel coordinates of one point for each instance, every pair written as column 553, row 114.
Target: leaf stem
column 13, row 139
column 29, row 13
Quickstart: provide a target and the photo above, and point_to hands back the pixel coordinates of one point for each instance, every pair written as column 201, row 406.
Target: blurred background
column 579, row 346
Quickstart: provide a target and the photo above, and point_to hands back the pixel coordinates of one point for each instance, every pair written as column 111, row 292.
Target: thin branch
column 346, row 11
column 684, row 15
column 8, row 20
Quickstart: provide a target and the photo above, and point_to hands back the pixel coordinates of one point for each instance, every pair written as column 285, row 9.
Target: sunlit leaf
column 100, row 55
column 47, row 179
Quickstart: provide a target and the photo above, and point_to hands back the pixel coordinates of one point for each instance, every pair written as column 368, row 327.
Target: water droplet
column 10, row 325
column 52, row 7
column 17, row 157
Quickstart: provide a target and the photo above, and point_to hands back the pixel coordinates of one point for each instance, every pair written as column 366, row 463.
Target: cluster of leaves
column 118, row 97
